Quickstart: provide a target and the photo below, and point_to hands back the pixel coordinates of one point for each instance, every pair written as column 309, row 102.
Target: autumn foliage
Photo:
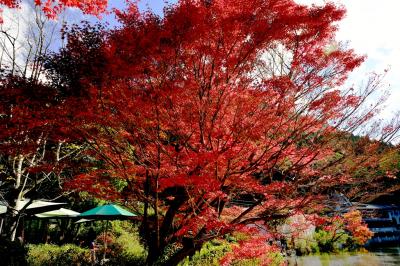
column 371, row 166
column 359, row 230
column 217, row 103
column 52, row 8
column 344, row 225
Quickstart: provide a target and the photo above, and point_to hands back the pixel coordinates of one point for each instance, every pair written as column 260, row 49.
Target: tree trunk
column 19, row 205
column 153, row 256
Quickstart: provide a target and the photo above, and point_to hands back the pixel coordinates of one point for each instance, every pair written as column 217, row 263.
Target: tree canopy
column 52, row 8
column 217, row 102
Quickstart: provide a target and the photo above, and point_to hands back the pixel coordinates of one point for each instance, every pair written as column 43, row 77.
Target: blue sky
column 155, row 5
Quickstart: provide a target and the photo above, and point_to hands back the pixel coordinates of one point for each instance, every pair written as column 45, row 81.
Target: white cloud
column 14, row 30
column 21, row 30
column 371, row 28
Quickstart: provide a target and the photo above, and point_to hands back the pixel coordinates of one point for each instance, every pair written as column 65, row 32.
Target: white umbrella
column 60, row 213
column 37, row 206
column 83, row 221
column 3, row 208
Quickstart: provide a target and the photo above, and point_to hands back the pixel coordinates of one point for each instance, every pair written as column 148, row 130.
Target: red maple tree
column 217, row 103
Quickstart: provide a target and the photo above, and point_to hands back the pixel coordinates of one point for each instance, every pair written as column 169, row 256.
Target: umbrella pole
column 1, row 226
column 105, row 241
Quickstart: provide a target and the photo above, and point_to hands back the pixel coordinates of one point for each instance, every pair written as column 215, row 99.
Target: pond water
column 387, row 256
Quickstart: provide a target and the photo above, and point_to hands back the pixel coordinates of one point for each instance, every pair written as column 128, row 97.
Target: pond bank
column 385, row 256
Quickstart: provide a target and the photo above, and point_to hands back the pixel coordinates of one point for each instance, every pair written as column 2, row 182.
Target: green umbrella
column 107, row 212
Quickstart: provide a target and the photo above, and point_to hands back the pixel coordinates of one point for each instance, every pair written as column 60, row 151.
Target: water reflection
column 387, row 256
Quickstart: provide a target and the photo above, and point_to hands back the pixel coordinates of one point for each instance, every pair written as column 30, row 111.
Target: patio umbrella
column 60, row 213
column 3, row 210
column 83, row 221
column 38, row 206
column 107, row 212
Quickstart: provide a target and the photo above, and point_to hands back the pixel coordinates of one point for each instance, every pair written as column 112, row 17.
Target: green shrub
column 126, row 248
column 210, row 254
column 328, row 242
column 123, row 248
column 273, row 259
column 305, row 246
column 277, row 259
column 45, row 254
